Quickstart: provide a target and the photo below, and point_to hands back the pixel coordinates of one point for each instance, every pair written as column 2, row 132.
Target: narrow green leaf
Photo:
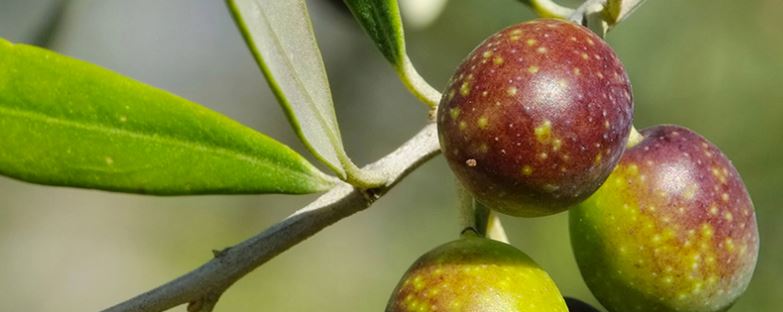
column 381, row 20
column 67, row 122
column 281, row 38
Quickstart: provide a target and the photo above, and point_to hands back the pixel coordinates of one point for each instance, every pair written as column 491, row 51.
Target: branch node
column 220, row 253
column 206, row 303
column 194, row 306
column 371, row 195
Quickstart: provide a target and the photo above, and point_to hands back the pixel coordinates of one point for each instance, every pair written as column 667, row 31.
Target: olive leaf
column 70, row 123
column 281, row 38
column 381, row 20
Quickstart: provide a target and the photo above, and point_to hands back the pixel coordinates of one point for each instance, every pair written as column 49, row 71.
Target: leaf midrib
column 158, row 138
column 391, row 38
column 330, row 132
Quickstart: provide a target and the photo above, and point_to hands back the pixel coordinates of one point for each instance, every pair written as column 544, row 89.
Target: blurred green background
column 713, row 66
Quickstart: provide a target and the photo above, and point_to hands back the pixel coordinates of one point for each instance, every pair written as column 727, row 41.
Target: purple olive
column 536, row 117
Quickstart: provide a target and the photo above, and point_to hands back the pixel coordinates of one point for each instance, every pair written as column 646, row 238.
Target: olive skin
column 673, row 228
column 536, row 117
column 476, row 275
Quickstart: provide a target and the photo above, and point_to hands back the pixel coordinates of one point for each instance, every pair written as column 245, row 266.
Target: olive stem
column 634, row 138
column 495, row 228
column 478, row 218
column 417, row 85
column 481, row 216
column 466, row 209
column 620, row 10
column 586, row 8
column 591, row 14
column 548, row 8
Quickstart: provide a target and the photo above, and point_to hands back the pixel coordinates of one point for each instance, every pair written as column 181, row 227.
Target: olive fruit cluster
column 536, row 121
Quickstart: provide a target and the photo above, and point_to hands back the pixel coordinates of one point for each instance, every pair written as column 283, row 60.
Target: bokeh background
column 713, row 66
